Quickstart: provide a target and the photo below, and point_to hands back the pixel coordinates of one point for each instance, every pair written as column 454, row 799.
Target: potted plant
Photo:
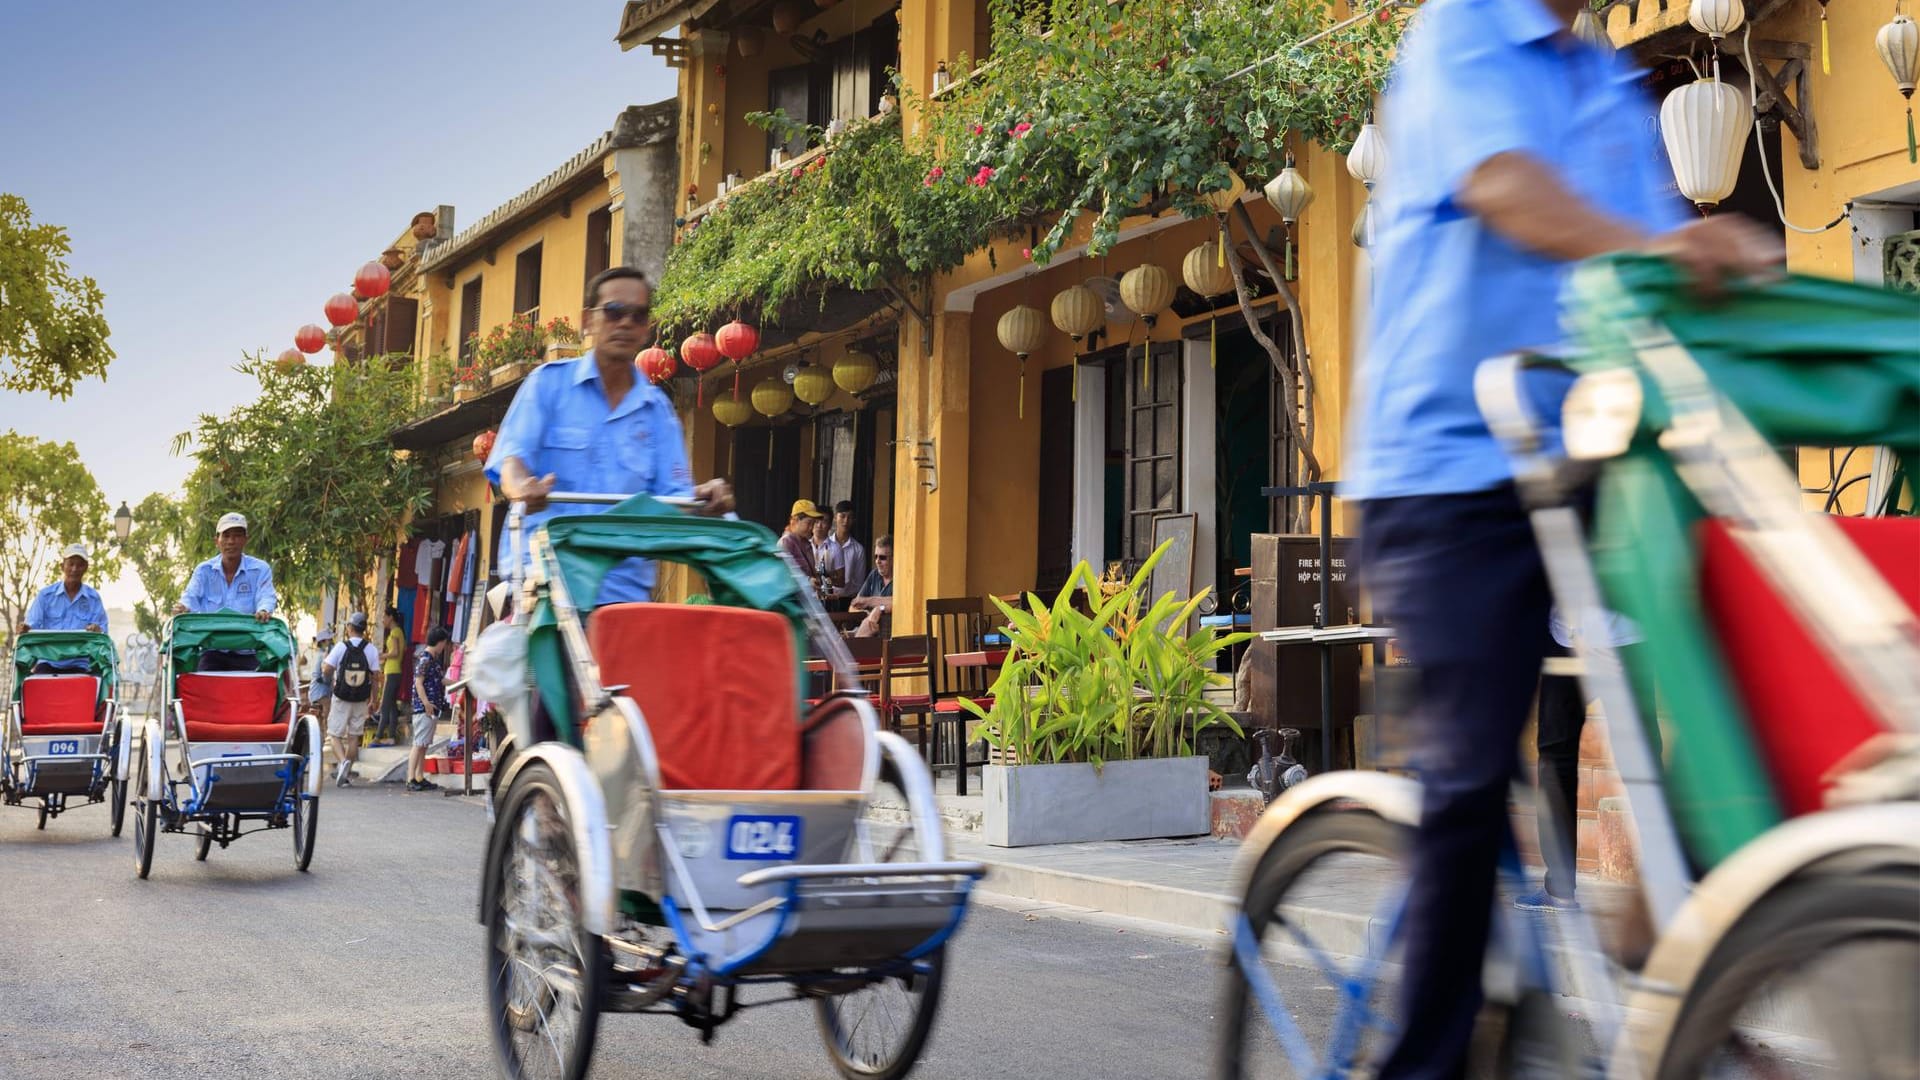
column 508, row 351
column 563, row 340
column 1097, row 705
column 469, row 379
column 425, row 225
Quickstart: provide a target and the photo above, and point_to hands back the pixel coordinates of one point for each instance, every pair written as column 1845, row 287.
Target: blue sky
column 223, row 168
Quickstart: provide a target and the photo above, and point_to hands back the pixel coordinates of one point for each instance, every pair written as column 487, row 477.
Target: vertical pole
column 1320, row 623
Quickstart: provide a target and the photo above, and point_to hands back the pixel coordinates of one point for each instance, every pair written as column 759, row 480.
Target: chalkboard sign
column 1174, row 572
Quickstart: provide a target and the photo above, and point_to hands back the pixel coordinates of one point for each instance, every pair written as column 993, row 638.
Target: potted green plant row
column 1098, row 704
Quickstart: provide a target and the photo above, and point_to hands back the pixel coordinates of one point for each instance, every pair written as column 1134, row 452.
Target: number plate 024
column 763, row 836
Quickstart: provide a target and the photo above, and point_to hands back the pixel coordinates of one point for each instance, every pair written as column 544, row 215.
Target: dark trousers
column 1562, row 717
column 389, row 725
column 1460, row 579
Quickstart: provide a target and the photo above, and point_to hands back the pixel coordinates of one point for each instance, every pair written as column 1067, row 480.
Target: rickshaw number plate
column 763, row 836
column 64, row 746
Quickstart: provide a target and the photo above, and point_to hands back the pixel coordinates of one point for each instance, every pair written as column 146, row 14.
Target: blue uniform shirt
column 52, row 610
column 1477, row 78
column 250, row 591
column 560, row 423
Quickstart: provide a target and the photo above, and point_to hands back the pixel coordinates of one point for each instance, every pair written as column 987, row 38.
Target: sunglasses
column 615, row 311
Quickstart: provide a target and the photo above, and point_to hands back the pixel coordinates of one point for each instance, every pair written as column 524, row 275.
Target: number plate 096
column 64, row 746
column 763, row 836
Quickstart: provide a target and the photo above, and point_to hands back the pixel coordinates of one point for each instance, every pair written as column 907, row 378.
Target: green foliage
column 48, row 500
column 1115, row 683
column 52, row 331
column 308, row 462
column 1114, row 110
column 163, row 546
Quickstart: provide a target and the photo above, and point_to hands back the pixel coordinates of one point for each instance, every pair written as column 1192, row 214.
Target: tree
column 163, row 550
column 309, row 463
column 47, row 501
column 52, row 331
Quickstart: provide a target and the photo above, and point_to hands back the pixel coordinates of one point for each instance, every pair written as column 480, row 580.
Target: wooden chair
column 956, row 624
column 909, row 656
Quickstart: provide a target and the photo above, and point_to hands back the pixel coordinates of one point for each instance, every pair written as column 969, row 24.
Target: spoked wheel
column 146, row 823
column 878, row 1031
column 1270, row 1017
column 43, row 816
column 206, row 843
column 117, row 804
column 306, row 823
column 545, row 973
column 1816, row 980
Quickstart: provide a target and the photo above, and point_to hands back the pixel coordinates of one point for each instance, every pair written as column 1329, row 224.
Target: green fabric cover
column 738, row 559
column 190, row 635
column 36, row 646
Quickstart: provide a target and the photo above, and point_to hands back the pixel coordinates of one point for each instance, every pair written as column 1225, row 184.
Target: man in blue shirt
column 232, row 580
column 1516, row 151
column 67, row 604
column 591, row 425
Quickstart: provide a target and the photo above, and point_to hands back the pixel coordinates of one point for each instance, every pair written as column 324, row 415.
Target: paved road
column 370, row 965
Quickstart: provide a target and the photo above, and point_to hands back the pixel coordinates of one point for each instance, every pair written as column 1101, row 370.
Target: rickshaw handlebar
column 601, row 498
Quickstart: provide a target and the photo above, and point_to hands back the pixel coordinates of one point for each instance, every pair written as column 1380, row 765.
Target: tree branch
column 1302, row 444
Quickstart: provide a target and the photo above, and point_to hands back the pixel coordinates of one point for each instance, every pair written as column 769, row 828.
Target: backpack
column 353, row 679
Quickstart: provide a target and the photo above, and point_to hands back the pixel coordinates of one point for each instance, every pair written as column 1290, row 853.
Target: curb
column 1134, row 899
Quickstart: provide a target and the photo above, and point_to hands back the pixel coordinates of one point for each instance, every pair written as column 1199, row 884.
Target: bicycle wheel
column 878, row 1030
column 306, row 820
column 206, row 843
column 545, row 972
column 117, row 803
column 1817, row 979
column 1338, row 1024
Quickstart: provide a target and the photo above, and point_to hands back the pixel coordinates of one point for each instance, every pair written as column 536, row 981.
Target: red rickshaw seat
column 1805, row 715
column 60, row 705
column 717, row 686
column 231, row 706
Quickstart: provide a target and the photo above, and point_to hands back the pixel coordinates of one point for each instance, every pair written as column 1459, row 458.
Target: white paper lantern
column 1588, row 28
column 1289, row 193
column 1898, row 43
column 1368, row 158
column 1705, row 125
column 1717, row 18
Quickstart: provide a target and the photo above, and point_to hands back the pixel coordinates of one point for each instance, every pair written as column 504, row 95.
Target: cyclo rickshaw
column 64, row 738
column 230, row 755
column 1764, row 730
column 677, row 824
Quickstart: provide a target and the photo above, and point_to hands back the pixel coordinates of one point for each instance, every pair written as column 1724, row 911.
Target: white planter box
column 1071, row 804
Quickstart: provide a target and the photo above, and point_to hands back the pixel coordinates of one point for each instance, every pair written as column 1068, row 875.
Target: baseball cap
column 324, row 635
column 357, row 620
column 805, row 508
column 76, row 549
column 231, row 521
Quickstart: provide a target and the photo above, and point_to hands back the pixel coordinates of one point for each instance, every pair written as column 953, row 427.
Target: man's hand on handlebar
column 519, row 484
column 1715, row 249
column 716, row 497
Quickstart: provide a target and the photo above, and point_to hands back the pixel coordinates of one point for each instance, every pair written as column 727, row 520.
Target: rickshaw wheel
column 117, row 796
column 877, row 1032
column 306, row 824
column 146, row 822
column 43, row 816
column 206, row 843
column 1852, row 940
column 546, row 974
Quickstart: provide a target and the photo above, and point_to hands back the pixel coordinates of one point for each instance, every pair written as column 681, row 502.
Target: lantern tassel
column 1220, row 250
column 1289, row 270
column 1076, row 375
column 732, row 437
column 1826, row 68
column 1910, row 144
column 699, row 392
column 1213, row 342
column 1023, row 388
column 736, row 380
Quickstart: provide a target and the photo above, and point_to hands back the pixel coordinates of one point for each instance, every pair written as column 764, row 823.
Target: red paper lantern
column 483, row 445
column 341, row 309
column 310, row 339
column 656, row 364
column 288, row 360
column 737, row 340
column 372, row 280
column 700, row 352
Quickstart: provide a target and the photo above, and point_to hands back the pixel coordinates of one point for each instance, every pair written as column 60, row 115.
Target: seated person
column 230, row 581
column 876, row 593
column 67, row 604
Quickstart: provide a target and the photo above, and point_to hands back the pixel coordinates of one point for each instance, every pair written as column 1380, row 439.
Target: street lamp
column 122, row 523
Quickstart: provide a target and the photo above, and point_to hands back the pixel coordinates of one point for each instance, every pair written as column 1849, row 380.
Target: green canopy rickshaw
column 64, row 739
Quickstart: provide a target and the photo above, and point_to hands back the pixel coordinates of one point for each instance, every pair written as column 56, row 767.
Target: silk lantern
column 813, row 385
column 1222, row 200
column 1716, row 19
column 1705, row 125
column 483, row 445
column 373, row 280
column 310, row 339
column 1367, row 160
column 772, row 397
column 787, row 17
column 732, row 412
column 855, row 371
column 1148, row 291
column 1077, row 311
column 341, row 309
column 1362, row 233
column 1588, row 28
column 288, row 360
column 1021, row 332
column 1289, row 194
column 702, row 355
column 737, row 341
column 656, row 363
column 1898, row 43
column 1204, row 274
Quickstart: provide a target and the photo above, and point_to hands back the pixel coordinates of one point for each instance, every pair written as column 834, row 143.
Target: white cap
column 76, row 549
column 230, row 521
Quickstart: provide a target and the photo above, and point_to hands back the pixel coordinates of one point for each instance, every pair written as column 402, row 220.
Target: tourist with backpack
column 352, row 669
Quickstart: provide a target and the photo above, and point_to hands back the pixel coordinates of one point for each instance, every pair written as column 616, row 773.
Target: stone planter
column 506, row 373
column 463, row 394
column 1071, row 804
column 557, row 351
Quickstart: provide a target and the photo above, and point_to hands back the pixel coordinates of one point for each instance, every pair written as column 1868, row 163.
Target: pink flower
column 796, row 172
column 1020, row 130
column 979, row 129
column 1026, row 253
column 983, row 177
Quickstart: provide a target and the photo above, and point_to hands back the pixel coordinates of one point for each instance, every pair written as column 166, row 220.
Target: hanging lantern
column 736, row 341
column 855, row 371
column 1368, row 157
column 656, row 364
column 702, row 355
column 1289, row 194
column 787, row 16
column 748, row 40
column 288, row 360
column 1898, row 43
column 1078, row 311
column 310, row 339
column 1362, row 233
column 813, row 385
column 1588, row 28
column 1705, row 125
column 731, row 412
column 1222, row 201
column 1204, row 274
column 1716, row 18
column 483, row 445
column 1148, row 291
column 772, row 397
column 341, row 309
column 1022, row 330
column 372, row 280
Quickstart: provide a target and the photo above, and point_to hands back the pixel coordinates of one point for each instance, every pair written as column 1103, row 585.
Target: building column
column 930, row 531
column 1199, row 456
column 1090, row 467
column 1331, row 288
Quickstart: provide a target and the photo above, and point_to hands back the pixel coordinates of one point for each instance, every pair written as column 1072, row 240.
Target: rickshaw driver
column 591, row 425
column 1507, row 166
column 230, row 581
column 67, row 604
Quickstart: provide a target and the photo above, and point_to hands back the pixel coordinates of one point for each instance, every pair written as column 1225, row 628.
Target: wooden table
column 982, row 658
